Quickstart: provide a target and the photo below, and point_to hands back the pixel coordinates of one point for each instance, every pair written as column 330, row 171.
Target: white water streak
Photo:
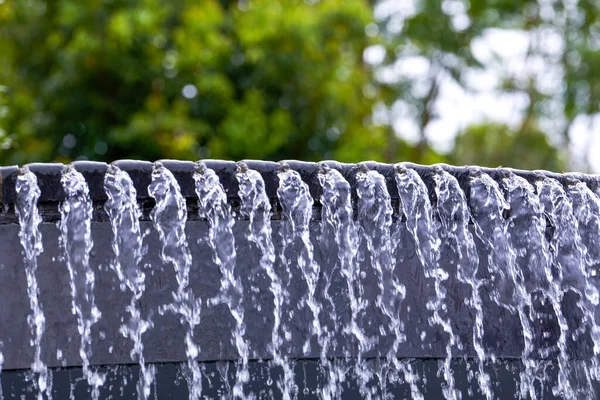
column 169, row 217
column 297, row 203
column 488, row 206
column 28, row 193
column 455, row 216
column 423, row 229
column 76, row 241
column 375, row 216
column 256, row 206
column 128, row 247
column 213, row 206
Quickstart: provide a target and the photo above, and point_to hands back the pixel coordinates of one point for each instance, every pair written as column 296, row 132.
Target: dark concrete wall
column 170, row 383
column 164, row 343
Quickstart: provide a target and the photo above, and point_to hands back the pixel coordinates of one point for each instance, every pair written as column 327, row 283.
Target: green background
column 273, row 80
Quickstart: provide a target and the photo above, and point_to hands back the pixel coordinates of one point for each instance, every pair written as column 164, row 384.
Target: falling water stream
column 571, row 256
column 76, row 241
column 334, row 291
column 527, row 229
column 489, row 208
column 169, row 217
column 297, row 204
column 455, row 217
column 375, row 213
column 214, row 207
column 256, row 207
column 124, row 214
column 586, row 208
column 1, row 365
column 416, row 207
column 339, row 232
column 28, row 194
column 514, row 233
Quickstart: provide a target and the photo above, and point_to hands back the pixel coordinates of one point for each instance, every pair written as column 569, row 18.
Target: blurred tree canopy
column 558, row 79
column 498, row 145
column 181, row 79
column 272, row 79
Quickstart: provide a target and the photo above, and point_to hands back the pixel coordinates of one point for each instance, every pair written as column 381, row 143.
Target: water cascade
column 213, row 206
column 417, row 209
column 76, row 240
column 586, row 209
column 375, row 214
column 570, row 254
column 124, row 214
column 339, row 236
column 169, row 217
column 527, row 230
column 297, row 203
column 491, row 226
column 1, row 364
column 256, row 207
column 297, row 280
column 455, row 217
column 28, row 193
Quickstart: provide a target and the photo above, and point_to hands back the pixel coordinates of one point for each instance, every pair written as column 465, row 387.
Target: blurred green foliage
column 498, row 145
column 268, row 79
column 108, row 79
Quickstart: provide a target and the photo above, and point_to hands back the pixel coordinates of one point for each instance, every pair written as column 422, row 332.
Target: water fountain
column 291, row 280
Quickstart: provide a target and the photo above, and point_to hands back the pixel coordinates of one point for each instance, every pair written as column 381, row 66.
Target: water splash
column 169, row 217
column 124, row 214
column 213, row 206
column 527, row 228
column 28, row 193
column 488, row 207
column 566, row 242
column 455, row 216
column 297, row 203
column 422, row 227
column 256, row 206
column 76, row 241
column 586, row 210
column 339, row 231
column 375, row 214
column 339, row 234
column 574, row 249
